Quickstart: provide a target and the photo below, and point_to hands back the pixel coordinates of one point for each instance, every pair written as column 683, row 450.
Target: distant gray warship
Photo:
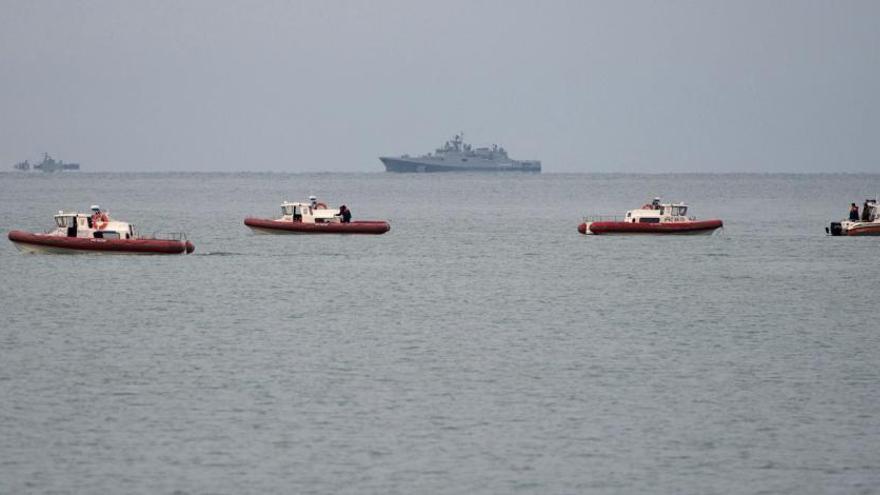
column 48, row 164
column 456, row 156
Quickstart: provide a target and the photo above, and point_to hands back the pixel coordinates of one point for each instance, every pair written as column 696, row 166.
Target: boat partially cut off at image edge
column 652, row 218
column 78, row 233
column 868, row 223
column 303, row 218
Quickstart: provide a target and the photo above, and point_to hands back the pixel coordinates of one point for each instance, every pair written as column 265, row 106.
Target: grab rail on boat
column 621, row 218
column 603, row 218
column 166, row 236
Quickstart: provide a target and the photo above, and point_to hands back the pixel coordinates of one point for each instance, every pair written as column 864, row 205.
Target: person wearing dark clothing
column 345, row 213
column 854, row 213
column 865, row 212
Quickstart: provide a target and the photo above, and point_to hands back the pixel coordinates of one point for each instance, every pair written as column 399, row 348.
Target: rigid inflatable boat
column 868, row 223
column 97, row 233
column 652, row 218
column 315, row 218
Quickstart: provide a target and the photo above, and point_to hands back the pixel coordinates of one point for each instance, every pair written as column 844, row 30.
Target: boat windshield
column 287, row 209
column 679, row 211
column 64, row 221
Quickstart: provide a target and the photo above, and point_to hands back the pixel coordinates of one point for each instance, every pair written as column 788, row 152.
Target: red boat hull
column 866, row 230
column 284, row 227
column 43, row 243
column 696, row 227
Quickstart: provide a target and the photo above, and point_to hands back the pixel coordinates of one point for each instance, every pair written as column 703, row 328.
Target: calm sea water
column 481, row 346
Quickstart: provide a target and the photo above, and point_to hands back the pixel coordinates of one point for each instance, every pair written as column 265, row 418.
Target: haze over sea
column 481, row 346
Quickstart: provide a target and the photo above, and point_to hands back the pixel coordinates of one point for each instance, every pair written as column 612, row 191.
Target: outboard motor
column 835, row 229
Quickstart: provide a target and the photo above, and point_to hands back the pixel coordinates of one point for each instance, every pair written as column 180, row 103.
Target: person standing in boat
column 99, row 218
column 653, row 205
column 345, row 213
column 314, row 201
column 853, row 213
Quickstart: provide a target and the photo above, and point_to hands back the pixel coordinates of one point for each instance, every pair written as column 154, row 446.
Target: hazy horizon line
column 377, row 172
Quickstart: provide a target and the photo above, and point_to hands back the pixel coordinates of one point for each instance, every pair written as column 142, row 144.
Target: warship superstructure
column 457, row 156
column 48, row 164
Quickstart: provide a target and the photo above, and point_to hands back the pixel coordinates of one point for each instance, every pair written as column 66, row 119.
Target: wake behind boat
column 651, row 218
column 77, row 233
column 315, row 218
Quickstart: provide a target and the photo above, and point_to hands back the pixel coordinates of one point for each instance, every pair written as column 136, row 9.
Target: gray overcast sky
column 628, row 86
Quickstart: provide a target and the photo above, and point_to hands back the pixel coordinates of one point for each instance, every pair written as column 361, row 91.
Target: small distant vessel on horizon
column 48, row 164
column 864, row 224
column 457, row 156
column 652, row 218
